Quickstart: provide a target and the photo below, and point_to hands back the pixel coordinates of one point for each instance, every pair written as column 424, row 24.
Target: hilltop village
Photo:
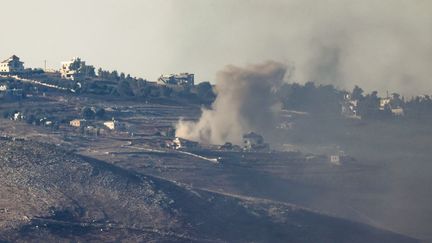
column 76, row 83
column 76, row 78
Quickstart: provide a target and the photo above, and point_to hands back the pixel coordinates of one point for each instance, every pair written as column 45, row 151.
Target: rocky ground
column 51, row 194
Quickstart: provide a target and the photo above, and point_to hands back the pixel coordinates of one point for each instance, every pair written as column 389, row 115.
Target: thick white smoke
column 245, row 102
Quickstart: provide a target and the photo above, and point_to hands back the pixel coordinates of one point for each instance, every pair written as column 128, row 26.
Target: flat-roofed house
column 114, row 125
column 78, row 122
column 12, row 65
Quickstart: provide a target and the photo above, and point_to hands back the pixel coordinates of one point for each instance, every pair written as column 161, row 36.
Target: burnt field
column 357, row 189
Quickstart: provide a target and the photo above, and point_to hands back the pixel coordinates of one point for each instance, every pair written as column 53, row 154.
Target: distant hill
column 49, row 194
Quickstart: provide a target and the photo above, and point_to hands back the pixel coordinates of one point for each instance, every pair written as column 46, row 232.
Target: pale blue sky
column 378, row 44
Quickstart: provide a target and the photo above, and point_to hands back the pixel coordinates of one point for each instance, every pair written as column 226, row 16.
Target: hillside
column 50, row 194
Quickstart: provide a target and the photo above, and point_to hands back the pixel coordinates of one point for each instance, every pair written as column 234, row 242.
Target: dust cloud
column 245, row 102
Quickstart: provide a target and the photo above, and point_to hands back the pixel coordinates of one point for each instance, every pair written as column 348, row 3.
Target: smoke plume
column 379, row 45
column 244, row 103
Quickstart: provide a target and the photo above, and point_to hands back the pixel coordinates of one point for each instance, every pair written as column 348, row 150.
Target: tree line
column 327, row 100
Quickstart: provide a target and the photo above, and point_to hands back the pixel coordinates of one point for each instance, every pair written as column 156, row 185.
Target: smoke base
column 245, row 102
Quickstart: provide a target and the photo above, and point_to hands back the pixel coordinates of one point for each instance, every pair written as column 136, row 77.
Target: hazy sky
column 380, row 44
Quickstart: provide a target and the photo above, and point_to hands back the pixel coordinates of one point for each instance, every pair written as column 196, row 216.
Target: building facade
column 78, row 123
column 66, row 70
column 76, row 69
column 114, row 125
column 12, row 65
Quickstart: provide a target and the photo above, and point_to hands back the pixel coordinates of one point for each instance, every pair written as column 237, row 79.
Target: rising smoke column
column 245, row 102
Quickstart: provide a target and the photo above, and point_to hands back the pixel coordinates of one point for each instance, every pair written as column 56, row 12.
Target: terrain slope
column 50, row 194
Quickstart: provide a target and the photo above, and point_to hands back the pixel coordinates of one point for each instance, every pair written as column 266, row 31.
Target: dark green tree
column 357, row 93
column 205, row 91
column 87, row 113
column 100, row 113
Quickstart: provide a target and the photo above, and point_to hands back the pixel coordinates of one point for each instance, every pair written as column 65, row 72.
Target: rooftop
column 13, row 57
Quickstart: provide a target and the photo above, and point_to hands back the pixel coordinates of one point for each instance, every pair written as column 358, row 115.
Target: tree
column 396, row 100
column 100, row 113
column 87, row 113
column 114, row 75
column 124, row 89
column 357, row 93
column 76, row 64
column 82, row 69
column 369, row 105
column 88, row 71
column 205, row 91
column 100, row 72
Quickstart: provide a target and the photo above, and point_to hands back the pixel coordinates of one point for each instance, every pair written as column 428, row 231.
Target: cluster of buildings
column 77, row 69
column 181, row 143
column 69, row 70
column 350, row 106
column 252, row 142
column 392, row 105
column 42, row 120
column 91, row 127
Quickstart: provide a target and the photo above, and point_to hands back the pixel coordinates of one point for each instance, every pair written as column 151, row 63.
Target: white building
column 66, row 70
column 114, row 125
column 18, row 116
column 12, row 65
column 349, row 107
column 76, row 68
column 3, row 88
column 395, row 108
column 78, row 122
column 181, row 143
column 384, row 102
column 398, row 111
column 335, row 159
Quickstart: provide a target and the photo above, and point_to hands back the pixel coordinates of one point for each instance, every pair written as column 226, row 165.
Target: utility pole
column 45, row 62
